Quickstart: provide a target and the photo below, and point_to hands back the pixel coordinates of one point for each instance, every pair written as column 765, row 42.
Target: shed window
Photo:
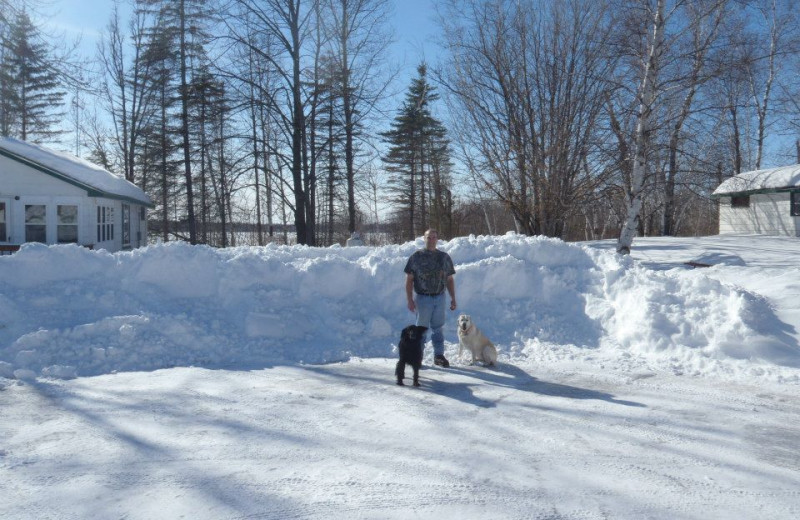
column 67, row 224
column 795, row 208
column 35, row 223
column 105, row 223
column 3, row 236
column 742, row 201
column 126, row 226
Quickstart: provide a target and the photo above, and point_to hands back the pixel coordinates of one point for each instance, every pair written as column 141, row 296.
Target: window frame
column 28, row 225
column 61, row 225
column 794, row 203
column 4, row 221
column 105, row 223
column 126, row 226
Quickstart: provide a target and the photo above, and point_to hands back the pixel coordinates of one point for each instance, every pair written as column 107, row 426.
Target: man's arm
column 451, row 288
column 410, row 292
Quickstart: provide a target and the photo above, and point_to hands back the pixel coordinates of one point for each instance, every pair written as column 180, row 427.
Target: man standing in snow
column 428, row 272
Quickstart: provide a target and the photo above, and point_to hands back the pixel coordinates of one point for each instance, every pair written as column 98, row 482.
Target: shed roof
column 73, row 170
column 785, row 178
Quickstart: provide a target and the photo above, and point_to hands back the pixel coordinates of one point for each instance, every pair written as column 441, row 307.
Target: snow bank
column 66, row 311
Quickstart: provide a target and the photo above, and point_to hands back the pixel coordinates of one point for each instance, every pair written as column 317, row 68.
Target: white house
column 55, row 198
column 761, row 202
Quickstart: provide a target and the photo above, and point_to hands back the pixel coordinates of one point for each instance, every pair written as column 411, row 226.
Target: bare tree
column 780, row 21
column 128, row 90
column 288, row 23
column 527, row 88
column 360, row 40
column 643, row 137
column 704, row 20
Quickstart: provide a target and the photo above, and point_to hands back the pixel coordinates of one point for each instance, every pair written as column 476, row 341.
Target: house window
column 742, row 201
column 795, row 201
column 126, row 226
column 3, row 236
column 105, row 223
column 35, row 223
column 67, row 230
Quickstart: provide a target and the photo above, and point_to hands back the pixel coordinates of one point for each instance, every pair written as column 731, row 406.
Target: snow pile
column 688, row 320
column 68, row 311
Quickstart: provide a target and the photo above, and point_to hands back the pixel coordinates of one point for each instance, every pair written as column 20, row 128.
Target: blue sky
column 414, row 26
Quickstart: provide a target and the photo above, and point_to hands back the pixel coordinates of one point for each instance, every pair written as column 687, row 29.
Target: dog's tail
column 489, row 355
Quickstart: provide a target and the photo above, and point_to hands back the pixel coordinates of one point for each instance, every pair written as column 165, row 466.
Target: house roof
column 95, row 180
column 785, row 178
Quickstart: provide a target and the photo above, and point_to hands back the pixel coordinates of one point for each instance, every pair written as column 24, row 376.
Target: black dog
column 410, row 349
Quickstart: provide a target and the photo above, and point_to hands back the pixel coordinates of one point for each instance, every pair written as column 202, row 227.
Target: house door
column 5, row 224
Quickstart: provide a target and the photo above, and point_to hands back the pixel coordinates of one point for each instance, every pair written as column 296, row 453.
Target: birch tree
column 644, row 126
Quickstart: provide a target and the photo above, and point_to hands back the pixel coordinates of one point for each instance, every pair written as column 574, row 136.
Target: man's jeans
column 431, row 314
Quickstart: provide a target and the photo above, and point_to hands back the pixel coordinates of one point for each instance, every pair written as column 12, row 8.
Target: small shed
column 56, row 198
column 763, row 202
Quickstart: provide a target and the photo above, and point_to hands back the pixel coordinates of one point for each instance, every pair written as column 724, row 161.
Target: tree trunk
column 164, row 167
column 643, row 132
column 298, row 125
column 187, row 161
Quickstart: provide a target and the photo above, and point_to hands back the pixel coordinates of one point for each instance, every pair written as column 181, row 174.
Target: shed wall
column 21, row 185
column 768, row 214
column 17, row 179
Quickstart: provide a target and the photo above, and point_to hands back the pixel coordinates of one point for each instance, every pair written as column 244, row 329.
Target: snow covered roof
column 785, row 178
column 74, row 170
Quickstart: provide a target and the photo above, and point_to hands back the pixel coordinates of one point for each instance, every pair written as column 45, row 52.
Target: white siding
column 768, row 214
column 21, row 185
column 17, row 179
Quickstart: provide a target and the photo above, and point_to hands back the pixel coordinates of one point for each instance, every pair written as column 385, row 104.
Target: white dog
column 472, row 339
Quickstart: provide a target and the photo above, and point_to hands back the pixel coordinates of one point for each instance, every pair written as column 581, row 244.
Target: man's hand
column 410, row 292
column 453, row 304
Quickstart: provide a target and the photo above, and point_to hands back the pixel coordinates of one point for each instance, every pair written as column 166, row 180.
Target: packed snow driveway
column 180, row 381
column 342, row 441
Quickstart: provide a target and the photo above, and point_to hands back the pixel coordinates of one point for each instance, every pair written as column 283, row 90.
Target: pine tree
column 186, row 21
column 327, row 139
column 156, row 153
column 30, row 87
column 418, row 160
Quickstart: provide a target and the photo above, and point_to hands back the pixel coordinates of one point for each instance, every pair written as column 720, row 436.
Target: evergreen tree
column 418, row 161
column 30, row 86
column 156, row 154
column 207, row 100
column 329, row 144
column 186, row 21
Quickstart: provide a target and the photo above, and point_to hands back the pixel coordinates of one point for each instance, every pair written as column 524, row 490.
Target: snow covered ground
column 187, row 382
